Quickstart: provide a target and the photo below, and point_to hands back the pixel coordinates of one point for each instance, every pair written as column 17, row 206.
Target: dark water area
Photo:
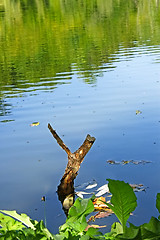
column 85, row 67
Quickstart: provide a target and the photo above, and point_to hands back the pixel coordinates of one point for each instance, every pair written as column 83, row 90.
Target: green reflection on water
column 39, row 39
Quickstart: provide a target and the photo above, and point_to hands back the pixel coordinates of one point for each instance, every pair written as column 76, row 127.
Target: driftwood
column 66, row 187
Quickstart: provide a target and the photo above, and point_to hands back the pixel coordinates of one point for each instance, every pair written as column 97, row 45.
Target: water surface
column 85, row 67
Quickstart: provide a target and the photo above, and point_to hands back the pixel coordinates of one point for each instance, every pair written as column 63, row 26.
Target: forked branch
column 59, row 140
column 66, row 187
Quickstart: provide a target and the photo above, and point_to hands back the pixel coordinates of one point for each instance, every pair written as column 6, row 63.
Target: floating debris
column 136, row 162
column 104, row 214
column 138, row 187
column 6, row 121
column 102, row 208
column 98, row 192
column 34, row 124
column 140, row 162
column 99, row 204
column 138, row 112
column 112, row 162
column 101, row 193
column 94, row 226
column 100, row 215
column 80, row 189
column 81, row 193
column 90, row 186
column 124, row 162
column 43, row 199
column 102, row 190
column 86, row 184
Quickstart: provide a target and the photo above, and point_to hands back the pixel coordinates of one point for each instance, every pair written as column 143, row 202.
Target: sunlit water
column 32, row 163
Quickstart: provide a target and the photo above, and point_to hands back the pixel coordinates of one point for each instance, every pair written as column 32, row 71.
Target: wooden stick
column 75, row 159
column 59, row 140
column 85, row 147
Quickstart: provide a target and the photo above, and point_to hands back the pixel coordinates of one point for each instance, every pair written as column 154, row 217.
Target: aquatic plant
column 123, row 203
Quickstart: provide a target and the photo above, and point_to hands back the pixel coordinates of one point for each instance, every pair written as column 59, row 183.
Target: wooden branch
column 59, row 140
column 75, row 159
column 85, row 147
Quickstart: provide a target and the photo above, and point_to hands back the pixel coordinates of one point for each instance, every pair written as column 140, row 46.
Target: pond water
column 84, row 67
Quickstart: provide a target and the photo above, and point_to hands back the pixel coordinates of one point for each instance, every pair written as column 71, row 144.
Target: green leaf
column 8, row 223
column 92, row 232
column 80, row 209
column 77, row 226
column 85, row 237
column 131, row 233
column 58, row 237
column 23, row 218
column 151, row 230
column 116, row 228
column 158, row 202
column 123, row 200
column 41, row 229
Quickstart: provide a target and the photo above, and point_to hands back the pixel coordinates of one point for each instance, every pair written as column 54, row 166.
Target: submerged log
column 66, row 187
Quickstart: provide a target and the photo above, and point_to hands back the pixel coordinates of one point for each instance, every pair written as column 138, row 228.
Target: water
column 80, row 69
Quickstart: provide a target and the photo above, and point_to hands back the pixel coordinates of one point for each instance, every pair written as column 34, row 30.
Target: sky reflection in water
column 33, row 163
